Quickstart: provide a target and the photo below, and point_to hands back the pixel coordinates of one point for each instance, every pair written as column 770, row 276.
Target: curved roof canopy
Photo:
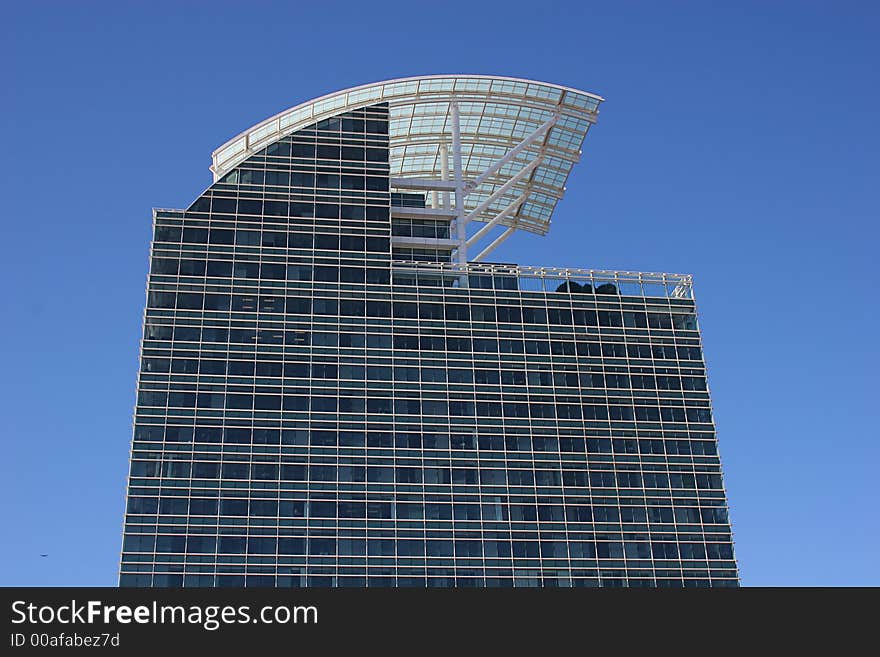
column 517, row 140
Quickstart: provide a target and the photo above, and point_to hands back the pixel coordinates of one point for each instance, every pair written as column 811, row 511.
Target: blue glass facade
column 314, row 411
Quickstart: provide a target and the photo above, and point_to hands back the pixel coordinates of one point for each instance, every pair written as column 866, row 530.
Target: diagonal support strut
column 539, row 132
column 510, row 209
column 497, row 242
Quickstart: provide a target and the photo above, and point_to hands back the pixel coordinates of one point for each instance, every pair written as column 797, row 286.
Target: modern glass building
column 337, row 389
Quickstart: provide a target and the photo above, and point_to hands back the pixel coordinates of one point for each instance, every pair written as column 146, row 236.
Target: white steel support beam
column 461, row 219
column 507, row 233
column 499, row 217
column 501, row 191
column 538, row 133
column 444, row 173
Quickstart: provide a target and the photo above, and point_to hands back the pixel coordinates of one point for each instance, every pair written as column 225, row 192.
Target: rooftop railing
column 545, row 279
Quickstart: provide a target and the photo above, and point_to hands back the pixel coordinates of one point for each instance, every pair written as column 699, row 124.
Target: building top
column 513, row 142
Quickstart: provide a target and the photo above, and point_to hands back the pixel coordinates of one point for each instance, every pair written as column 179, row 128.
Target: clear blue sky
column 737, row 143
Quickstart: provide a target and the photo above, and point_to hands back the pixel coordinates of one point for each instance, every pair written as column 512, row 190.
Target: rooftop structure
column 491, row 150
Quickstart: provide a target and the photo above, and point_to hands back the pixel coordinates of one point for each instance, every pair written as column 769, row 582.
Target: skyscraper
column 336, row 388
